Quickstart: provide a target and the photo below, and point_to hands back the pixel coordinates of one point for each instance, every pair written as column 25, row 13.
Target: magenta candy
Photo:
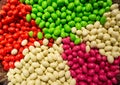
column 68, row 51
column 114, row 80
column 70, row 58
column 81, row 77
column 78, row 71
column 74, row 54
column 91, row 65
column 95, row 78
column 70, row 63
column 66, row 40
column 72, row 44
column 81, row 61
column 102, row 64
column 98, row 57
column 116, row 62
column 91, row 72
column 102, row 72
column 75, row 60
column 73, row 73
column 82, row 83
column 64, row 56
column 76, row 48
column 65, row 47
column 80, row 54
column 104, row 58
column 91, row 59
column 93, row 83
column 89, row 79
column 75, row 66
column 83, row 47
column 110, row 74
column 92, row 52
column 97, row 68
column 106, row 69
column 102, row 77
column 86, row 55
column 84, row 69
column 109, row 82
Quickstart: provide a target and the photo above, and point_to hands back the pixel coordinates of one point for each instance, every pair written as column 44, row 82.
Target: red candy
column 89, row 68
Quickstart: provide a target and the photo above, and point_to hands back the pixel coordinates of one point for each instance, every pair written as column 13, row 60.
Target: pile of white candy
column 41, row 66
column 106, row 38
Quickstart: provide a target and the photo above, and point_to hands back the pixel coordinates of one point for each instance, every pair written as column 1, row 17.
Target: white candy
column 18, row 65
column 37, row 44
column 45, row 42
column 24, row 42
column 25, row 51
column 58, row 41
column 14, row 51
column 73, row 30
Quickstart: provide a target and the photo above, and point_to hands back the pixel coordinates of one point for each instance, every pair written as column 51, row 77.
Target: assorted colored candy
column 60, row 42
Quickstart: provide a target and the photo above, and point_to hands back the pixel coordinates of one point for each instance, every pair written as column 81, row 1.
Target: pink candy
column 89, row 68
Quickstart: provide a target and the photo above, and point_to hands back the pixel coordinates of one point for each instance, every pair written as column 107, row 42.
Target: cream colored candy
column 24, row 42
column 92, row 44
column 14, row 51
column 51, row 76
column 33, row 76
column 45, row 63
column 45, row 42
column 49, row 69
column 90, row 26
column 73, row 82
column 110, row 59
column 39, row 56
column 61, row 73
column 115, row 12
column 37, row 44
column 24, row 83
column 102, row 51
column 58, row 41
column 39, row 71
column 67, row 74
column 55, row 83
column 31, row 69
column 27, row 57
column 18, row 65
column 26, row 73
column 62, row 79
column 31, row 47
column 73, row 30
column 97, row 24
column 101, row 45
column 61, row 66
column 114, row 6
column 25, row 51
column 45, row 78
column 87, row 48
column 32, row 56
column 35, row 64
column 78, row 32
column 37, row 82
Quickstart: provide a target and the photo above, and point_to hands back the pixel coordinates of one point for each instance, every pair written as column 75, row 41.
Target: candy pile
column 60, row 15
column 106, row 37
column 89, row 68
column 41, row 66
column 60, row 42
column 13, row 30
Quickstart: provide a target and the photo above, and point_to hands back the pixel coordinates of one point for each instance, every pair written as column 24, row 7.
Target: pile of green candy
column 57, row 17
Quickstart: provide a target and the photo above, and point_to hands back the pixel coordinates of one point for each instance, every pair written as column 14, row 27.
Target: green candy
column 35, row 5
column 72, row 37
column 37, row 20
column 71, row 23
column 44, row 4
column 63, row 9
column 68, row 18
column 98, row 18
column 54, row 16
column 45, row 30
column 47, row 15
column 28, row 17
column 84, row 23
column 54, row 37
column 79, row 9
column 39, row 35
column 80, row 15
column 109, row 2
column 58, row 13
column 52, row 25
column 22, row 1
column 83, row 9
column 67, row 28
column 77, row 19
column 60, row 2
column 63, row 15
column 30, row 33
column 33, row 16
column 101, row 11
column 78, row 26
column 57, row 32
column 90, row 22
column 88, row 7
column 50, row 9
column 68, row 12
column 40, row 9
column 92, row 17
column 48, row 36
column 27, row 2
column 104, row 4
column 54, row 5
column 76, row 2
column 107, row 8
column 85, row 18
column 34, row 10
column 103, row 20
column 71, row 6
column 58, row 21
column 73, row 15
column 63, row 21
column 51, row 30
column 77, row 41
column 47, row 24
column 31, row 2
column 39, row 14
column 50, row 20
column 95, row 11
column 100, row 3
column 63, row 34
column 83, row 1
column 95, row 5
column 42, row 24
